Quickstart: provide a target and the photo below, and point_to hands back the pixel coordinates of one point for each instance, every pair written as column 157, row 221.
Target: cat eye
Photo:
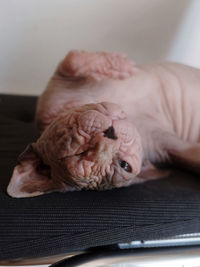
column 124, row 165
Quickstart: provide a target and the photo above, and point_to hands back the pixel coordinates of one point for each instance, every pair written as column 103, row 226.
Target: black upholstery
column 66, row 222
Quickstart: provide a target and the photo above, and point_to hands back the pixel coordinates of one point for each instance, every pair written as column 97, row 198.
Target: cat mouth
column 108, row 133
column 76, row 154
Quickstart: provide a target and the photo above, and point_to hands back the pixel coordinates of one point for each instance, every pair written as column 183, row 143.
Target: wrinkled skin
column 107, row 123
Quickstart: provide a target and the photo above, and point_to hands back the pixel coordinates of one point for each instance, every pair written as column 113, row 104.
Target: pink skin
column 85, row 152
column 155, row 121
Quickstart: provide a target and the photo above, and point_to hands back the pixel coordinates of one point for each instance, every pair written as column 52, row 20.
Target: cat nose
column 110, row 133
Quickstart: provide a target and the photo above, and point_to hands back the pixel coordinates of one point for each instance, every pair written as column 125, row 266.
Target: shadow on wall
column 35, row 34
column 156, row 28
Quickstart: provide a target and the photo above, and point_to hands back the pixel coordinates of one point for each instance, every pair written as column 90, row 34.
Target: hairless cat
column 106, row 123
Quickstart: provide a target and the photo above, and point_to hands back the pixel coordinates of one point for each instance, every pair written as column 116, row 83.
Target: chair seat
column 59, row 223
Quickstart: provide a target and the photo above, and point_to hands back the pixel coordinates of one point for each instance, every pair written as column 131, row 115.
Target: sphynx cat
column 107, row 123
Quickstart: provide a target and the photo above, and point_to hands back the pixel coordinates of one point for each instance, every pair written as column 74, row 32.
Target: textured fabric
column 66, row 222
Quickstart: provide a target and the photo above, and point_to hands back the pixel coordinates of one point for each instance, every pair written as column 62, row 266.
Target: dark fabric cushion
column 66, row 222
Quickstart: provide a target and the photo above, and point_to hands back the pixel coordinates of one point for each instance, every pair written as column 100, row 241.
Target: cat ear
column 186, row 157
column 151, row 172
column 31, row 177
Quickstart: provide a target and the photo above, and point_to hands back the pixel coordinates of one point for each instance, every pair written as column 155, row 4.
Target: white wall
column 36, row 34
